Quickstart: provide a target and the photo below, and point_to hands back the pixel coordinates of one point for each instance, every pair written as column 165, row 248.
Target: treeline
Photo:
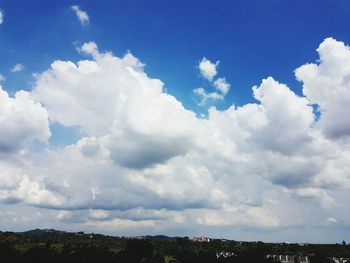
column 55, row 246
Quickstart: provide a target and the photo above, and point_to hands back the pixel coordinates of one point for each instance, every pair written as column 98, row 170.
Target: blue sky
column 117, row 117
column 252, row 39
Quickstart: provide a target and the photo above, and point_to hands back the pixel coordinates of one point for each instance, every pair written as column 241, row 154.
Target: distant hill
column 160, row 237
column 42, row 232
column 53, row 232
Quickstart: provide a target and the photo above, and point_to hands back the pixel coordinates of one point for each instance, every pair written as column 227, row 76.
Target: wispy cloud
column 205, row 96
column 222, row 86
column 332, row 220
column 81, row 15
column 17, row 68
column 1, row 17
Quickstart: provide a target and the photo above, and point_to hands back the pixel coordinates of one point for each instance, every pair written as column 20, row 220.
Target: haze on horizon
column 187, row 118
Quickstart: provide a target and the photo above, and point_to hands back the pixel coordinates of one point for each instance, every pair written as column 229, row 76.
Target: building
column 201, row 239
column 225, row 254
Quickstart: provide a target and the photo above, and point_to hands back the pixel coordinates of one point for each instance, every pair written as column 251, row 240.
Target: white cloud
column 222, row 86
column 1, row 17
column 136, row 135
column 332, row 220
column 113, row 97
column 327, row 84
column 10, row 177
column 90, row 48
column 82, row 15
column 15, row 186
column 208, row 69
column 284, row 110
column 146, row 162
column 22, row 120
column 2, row 78
column 135, row 63
column 17, row 68
column 207, row 95
column 34, row 193
column 318, row 194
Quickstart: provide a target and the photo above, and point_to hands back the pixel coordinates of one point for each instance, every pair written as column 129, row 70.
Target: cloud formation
column 141, row 125
column 1, row 17
column 205, row 96
column 332, row 71
column 144, row 161
column 209, row 70
column 222, row 86
column 22, row 121
column 332, row 220
column 81, row 15
column 17, row 68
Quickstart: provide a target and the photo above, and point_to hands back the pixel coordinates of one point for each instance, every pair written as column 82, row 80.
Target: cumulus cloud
column 22, row 121
column 327, row 85
column 284, row 111
column 222, row 86
column 17, row 68
column 145, row 161
column 15, row 186
column 10, row 177
column 208, row 69
column 90, row 48
column 132, row 61
column 81, row 15
column 114, row 98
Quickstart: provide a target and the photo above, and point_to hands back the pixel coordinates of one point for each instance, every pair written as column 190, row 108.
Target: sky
column 227, row 119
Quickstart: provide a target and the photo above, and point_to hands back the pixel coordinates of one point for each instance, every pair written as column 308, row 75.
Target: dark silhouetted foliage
column 56, row 246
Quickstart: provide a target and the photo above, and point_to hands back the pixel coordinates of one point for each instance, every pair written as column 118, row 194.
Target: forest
column 58, row 246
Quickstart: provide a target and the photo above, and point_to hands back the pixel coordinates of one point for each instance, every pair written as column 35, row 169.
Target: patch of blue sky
column 62, row 135
column 253, row 39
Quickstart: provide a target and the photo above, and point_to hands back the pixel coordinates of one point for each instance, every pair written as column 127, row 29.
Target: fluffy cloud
column 10, row 177
column 15, row 186
column 2, row 78
column 114, row 98
column 283, row 111
column 208, row 69
column 327, row 84
column 22, row 121
column 81, row 15
column 17, row 68
column 222, row 86
column 145, row 161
